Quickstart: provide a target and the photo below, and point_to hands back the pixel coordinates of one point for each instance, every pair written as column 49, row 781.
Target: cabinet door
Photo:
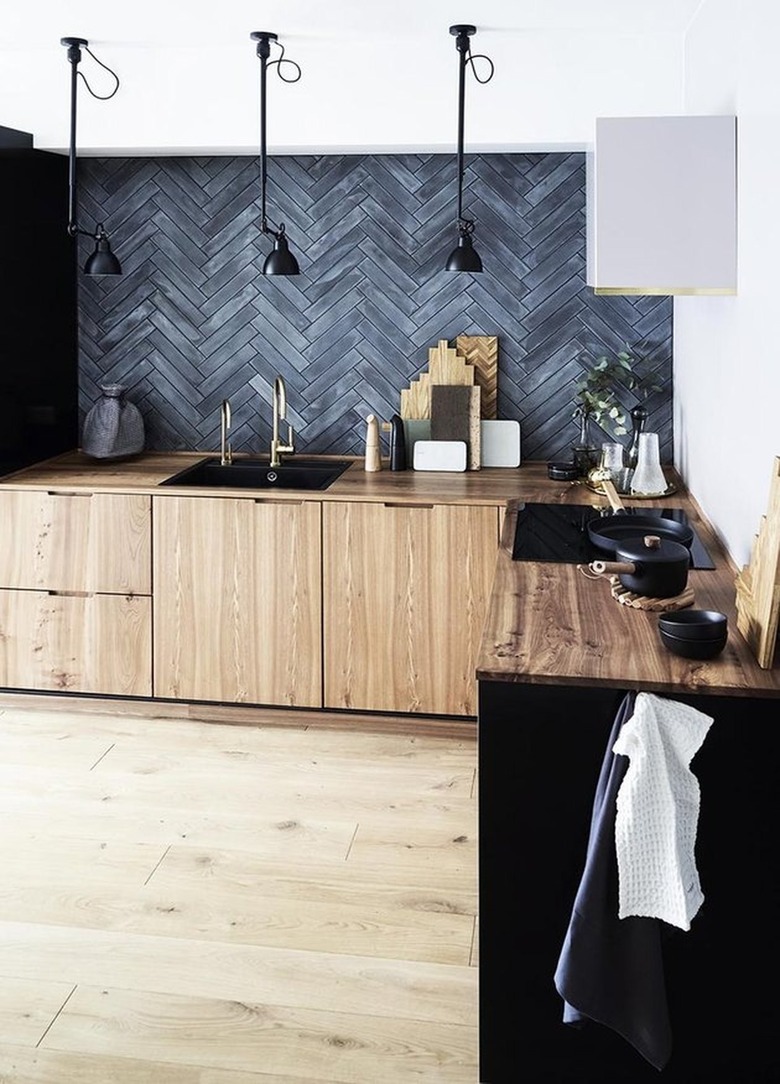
column 98, row 542
column 662, row 205
column 405, row 596
column 76, row 643
column 237, row 600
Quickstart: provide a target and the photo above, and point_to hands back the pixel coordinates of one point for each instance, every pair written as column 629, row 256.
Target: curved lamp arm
column 102, row 261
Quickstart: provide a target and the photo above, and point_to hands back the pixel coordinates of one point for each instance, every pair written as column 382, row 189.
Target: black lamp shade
column 464, row 257
column 281, row 261
column 102, row 261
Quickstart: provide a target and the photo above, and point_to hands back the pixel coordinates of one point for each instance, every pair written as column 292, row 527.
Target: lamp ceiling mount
column 74, row 42
column 263, row 39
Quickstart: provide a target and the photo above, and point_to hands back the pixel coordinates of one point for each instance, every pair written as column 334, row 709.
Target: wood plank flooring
column 192, row 902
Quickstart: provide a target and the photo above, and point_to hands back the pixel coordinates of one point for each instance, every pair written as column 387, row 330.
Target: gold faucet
column 280, row 414
column 225, row 450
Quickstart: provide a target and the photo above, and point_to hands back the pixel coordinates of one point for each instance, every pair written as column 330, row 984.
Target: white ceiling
column 375, row 75
column 196, row 23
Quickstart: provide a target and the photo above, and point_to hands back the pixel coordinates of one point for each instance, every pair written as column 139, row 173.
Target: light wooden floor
column 197, row 903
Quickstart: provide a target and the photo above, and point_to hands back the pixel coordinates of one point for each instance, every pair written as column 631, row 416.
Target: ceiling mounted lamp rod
column 281, row 261
column 464, row 257
column 102, row 261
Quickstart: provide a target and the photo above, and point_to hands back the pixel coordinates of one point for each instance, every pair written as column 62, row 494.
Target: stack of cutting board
column 457, row 395
column 758, row 584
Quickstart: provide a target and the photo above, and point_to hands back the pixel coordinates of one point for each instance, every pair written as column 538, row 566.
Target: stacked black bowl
column 694, row 634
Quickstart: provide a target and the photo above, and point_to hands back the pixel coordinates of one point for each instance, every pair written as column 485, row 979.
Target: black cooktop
column 559, row 532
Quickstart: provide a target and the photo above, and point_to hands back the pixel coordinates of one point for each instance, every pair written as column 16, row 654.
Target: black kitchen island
column 540, row 751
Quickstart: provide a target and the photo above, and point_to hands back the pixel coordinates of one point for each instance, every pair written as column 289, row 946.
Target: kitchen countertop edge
column 546, row 623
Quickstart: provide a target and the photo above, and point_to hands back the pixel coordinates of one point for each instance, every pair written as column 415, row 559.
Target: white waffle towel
column 658, row 811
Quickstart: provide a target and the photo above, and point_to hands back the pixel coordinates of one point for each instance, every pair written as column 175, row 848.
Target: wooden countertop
column 547, row 624
column 143, row 473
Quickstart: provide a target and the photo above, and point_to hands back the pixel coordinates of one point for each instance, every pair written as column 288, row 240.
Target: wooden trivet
column 644, row 602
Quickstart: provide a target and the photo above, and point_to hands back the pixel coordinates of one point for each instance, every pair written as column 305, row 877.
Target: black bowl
column 693, row 649
column 694, row 624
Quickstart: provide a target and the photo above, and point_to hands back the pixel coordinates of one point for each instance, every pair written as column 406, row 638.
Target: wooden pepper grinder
column 373, row 453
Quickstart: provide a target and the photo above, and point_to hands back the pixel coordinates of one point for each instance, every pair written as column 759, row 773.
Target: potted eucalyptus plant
column 597, row 403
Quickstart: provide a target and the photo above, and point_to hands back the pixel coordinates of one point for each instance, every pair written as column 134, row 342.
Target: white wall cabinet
column 662, row 206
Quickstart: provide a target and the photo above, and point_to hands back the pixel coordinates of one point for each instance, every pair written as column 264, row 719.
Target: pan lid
column 610, row 531
column 652, row 549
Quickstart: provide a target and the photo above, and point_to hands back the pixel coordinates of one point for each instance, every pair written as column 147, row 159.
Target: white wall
column 726, row 356
column 375, row 76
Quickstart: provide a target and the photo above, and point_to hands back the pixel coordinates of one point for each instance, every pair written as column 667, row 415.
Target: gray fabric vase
column 113, row 427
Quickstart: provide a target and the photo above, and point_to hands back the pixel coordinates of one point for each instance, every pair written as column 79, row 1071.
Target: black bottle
column 397, row 443
column 638, row 418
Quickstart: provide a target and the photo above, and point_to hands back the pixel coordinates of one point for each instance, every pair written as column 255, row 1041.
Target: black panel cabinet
column 38, row 336
column 540, row 752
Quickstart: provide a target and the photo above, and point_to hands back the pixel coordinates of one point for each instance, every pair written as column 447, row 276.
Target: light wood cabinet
column 237, row 600
column 405, row 595
column 76, row 643
column 75, row 586
column 302, row 603
column 96, row 542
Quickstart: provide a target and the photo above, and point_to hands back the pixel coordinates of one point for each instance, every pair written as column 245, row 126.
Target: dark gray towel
column 611, row 970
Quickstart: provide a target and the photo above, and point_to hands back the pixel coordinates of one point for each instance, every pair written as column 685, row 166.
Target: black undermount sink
column 259, row 474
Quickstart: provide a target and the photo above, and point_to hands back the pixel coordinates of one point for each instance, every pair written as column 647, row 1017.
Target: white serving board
column 440, row 455
column 500, row 441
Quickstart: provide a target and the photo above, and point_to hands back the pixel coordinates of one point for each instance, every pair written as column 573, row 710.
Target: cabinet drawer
column 76, row 643
column 97, row 542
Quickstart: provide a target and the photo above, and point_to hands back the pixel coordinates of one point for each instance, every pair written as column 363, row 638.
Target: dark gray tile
column 193, row 320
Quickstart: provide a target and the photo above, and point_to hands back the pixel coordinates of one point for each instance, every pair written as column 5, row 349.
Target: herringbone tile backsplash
column 192, row 320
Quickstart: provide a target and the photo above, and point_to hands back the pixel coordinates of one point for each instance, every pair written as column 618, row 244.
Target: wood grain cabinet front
column 96, row 542
column 75, row 587
column 76, row 643
column 406, row 590
column 237, row 600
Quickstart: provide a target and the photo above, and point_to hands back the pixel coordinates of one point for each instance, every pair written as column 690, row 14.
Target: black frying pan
column 609, row 532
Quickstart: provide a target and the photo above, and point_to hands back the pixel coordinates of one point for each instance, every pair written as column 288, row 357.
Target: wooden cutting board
column 445, row 366
column 473, row 361
column 481, row 351
column 455, row 416
column 758, row 584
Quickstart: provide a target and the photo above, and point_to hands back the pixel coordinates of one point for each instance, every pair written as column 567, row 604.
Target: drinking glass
column 612, row 458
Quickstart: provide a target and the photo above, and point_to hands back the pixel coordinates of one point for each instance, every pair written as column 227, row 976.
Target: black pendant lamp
column 102, row 261
column 464, row 257
column 281, row 261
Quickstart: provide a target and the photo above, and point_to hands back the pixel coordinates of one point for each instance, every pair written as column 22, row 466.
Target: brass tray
column 670, row 489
